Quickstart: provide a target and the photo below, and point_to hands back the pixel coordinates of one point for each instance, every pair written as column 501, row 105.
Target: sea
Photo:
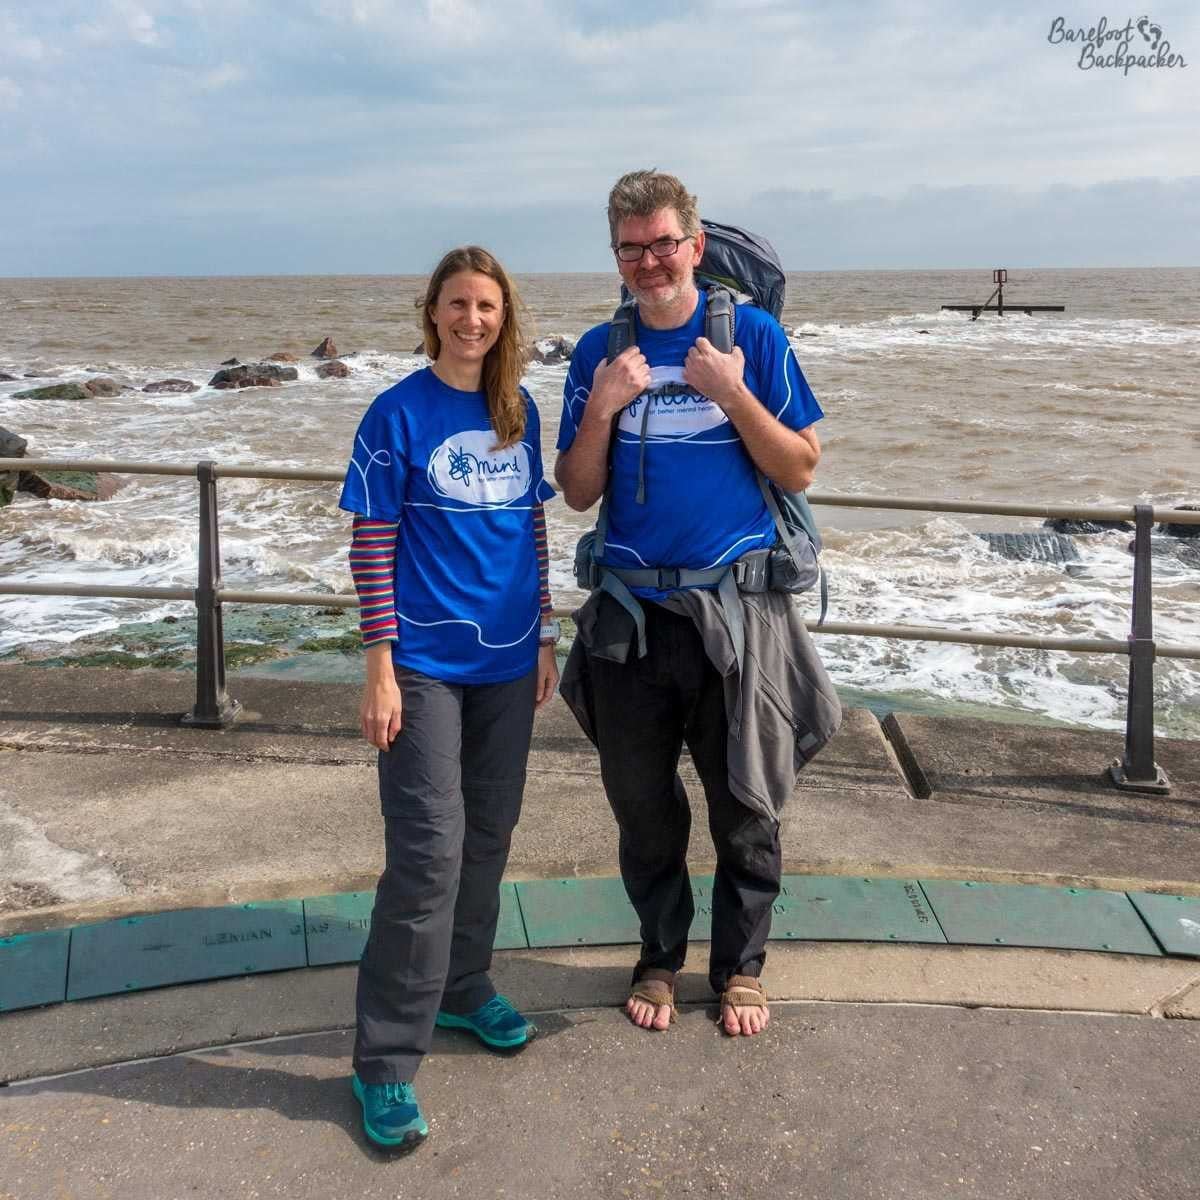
column 1094, row 405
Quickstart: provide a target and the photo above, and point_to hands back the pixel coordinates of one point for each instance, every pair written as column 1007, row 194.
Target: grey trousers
column 450, row 788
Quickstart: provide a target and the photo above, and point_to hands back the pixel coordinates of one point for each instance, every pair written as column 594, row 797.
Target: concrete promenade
column 888, row 1070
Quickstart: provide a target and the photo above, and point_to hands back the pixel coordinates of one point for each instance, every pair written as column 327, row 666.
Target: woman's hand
column 547, row 676
column 381, row 707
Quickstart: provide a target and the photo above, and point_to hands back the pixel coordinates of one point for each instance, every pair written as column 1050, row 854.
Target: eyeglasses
column 661, row 248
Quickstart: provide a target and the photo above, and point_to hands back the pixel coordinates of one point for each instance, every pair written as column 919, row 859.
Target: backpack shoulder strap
column 622, row 333
column 718, row 319
column 622, row 330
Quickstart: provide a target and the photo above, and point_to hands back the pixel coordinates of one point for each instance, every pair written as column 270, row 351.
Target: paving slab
column 178, row 832
column 1046, row 767
column 1029, row 804
column 93, row 708
column 831, row 1102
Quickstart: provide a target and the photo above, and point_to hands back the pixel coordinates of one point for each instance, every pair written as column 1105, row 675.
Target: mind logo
column 466, row 467
column 676, row 410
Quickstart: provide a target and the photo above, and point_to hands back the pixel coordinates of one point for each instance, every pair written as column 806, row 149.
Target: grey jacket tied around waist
column 781, row 705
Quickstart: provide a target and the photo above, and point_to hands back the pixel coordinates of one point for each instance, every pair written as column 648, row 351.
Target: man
column 674, row 429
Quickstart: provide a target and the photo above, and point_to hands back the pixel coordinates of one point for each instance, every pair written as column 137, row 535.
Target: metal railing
column 1136, row 770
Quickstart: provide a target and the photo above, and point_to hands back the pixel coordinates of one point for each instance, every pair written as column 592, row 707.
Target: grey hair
column 643, row 193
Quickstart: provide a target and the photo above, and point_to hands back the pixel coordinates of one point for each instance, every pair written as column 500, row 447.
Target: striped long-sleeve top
column 373, row 565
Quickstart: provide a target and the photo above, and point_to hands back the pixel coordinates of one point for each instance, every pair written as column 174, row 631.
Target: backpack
column 737, row 267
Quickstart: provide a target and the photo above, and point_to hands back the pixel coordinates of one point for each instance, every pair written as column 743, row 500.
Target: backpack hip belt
column 751, row 573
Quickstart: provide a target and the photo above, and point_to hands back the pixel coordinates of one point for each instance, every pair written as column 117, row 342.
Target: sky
column 211, row 137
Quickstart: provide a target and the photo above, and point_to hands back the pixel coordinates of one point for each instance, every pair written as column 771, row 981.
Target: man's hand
column 615, row 384
column 715, row 375
column 582, row 471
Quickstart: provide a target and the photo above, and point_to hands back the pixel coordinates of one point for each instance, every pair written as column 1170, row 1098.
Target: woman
column 449, row 560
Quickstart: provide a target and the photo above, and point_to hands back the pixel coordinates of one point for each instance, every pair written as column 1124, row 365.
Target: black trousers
column 450, row 788
column 645, row 710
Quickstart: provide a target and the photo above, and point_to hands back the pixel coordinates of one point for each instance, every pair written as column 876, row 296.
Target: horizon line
column 518, row 271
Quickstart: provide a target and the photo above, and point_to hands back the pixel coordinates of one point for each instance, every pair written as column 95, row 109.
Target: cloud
column 119, row 21
column 362, row 113
column 1125, row 222
column 222, row 76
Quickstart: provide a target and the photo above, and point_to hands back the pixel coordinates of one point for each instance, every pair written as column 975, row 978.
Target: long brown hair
column 505, row 361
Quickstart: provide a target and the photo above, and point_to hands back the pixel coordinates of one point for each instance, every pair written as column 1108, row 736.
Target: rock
column 253, row 375
column 1066, row 525
column 333, row 370
column 89, row 389
column 55, row 391
column 925, row 331
column 1177, row 528
column 69, row 485
column 5, row 377
column 1032, row 547
column 170, row 385
column 326, row 349
column 283, row 356
column 11, row 446
column 102, row 386
column 231, row 362
column 419, row 348
column 550, row 351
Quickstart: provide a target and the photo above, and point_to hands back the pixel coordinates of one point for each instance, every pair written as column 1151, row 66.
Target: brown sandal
column 742, row 991
column 655, row 986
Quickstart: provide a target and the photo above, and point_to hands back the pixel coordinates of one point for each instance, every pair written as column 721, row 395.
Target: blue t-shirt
column 467, row 606
column 703, row 507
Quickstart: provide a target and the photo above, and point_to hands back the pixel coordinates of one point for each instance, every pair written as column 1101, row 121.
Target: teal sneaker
column 496, row 1024
column 391, row 1114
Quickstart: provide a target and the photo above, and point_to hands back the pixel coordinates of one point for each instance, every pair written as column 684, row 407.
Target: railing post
column 213, row 709
column 1137, row 771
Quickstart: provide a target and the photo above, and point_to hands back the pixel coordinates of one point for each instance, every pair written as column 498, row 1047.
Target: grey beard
column 660, row 300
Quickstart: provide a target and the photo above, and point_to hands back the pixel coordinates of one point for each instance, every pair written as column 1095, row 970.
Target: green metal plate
column 510, row 929
column 33, row 969
column 996, row 914
column 1175, row 920
column 594, row 912
column 336, row 927
column 841, row 908
column 180, row 947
